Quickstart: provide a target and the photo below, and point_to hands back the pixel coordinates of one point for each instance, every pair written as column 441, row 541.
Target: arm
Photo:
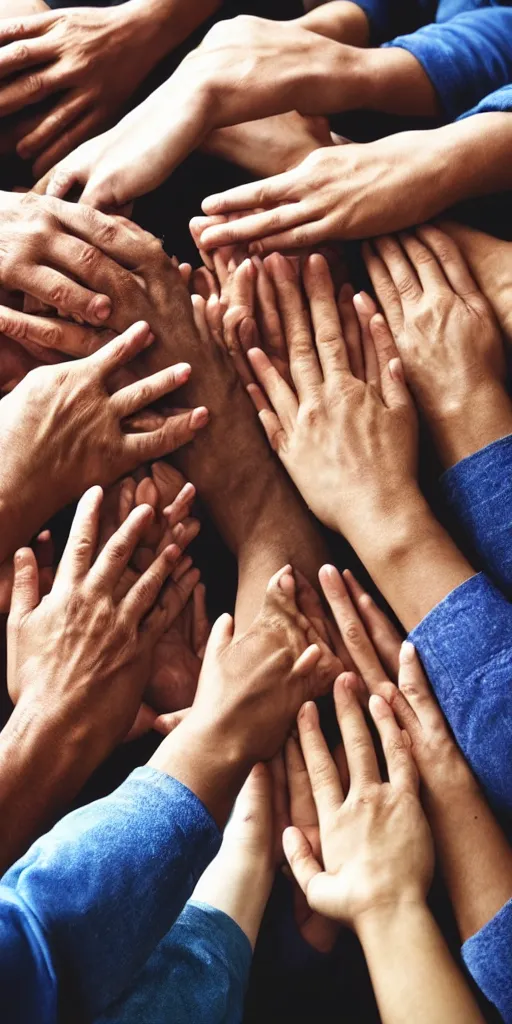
column 205, row 959
column 308, row 204
column 376, row 872
column 473, row 853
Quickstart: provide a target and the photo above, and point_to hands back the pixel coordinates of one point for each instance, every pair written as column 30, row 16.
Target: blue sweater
column 465, row 47
column 465, row 644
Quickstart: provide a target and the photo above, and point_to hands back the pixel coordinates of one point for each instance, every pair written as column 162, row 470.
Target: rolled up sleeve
column 466, row 58
column 465, row 644
column 488, row 957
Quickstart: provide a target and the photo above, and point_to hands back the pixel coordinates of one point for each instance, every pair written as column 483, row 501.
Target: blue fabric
column 479, row 491
column 464, row 46
column 465, row 644
column 90, row 901
column 198, row 973
column 488, row 957
column 499, row 101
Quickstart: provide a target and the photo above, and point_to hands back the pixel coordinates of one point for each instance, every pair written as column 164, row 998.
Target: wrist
column 381, row 923
column 151, row 24
column 465, row 423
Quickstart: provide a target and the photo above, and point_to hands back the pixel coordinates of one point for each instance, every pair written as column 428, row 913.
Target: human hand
column 29, row 341
column 90, row 60
column 340, row 192
column 222, row 88
column 81, row 655
column 349, row 445
column 62, row 431
column 270, row 145
column 448, row 338
column 376, row 845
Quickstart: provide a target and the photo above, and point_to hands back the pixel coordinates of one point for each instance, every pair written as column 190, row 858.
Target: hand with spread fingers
column 348, row 444
column 448, row 338
column 77, row 661
column 62, row 431
column 377, row 861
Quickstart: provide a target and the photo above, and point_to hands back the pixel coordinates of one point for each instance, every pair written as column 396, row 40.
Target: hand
column 448, row 338
column 250, row 686
column 342, row 192
column 31, row 341
column 349, row 445
column 62, row 431
column 271, row 145
column 89, row 60
column 318, row 931
column 376, row 845
column 81, row 655
column 222, row 88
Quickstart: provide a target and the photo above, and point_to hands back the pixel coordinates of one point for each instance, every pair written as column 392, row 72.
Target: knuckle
column 31, row 84
column 406, row 287
column 88, row 256
column 49, row 336
column 353, row 634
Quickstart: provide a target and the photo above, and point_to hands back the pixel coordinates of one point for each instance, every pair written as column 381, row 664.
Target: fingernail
column 182, row 370
column 396, row 370
column 101, row 307
column 364, row 302
column 407, row 651
column 199, row 418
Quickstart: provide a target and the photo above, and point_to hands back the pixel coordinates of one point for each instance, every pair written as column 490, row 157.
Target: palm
column 175, row 670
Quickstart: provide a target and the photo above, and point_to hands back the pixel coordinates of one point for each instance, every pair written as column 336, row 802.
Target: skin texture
column 86, row 63
column 63, row 432
column 292, row 68
column 449, row 341
column 358, row 191
column 352, row 409
column 472, row 851
column 377, row 857
column 77, row 664
column 490, row 262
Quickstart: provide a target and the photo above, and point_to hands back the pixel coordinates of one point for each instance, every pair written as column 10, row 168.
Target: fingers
column 59, row 291
column 119, row 549
column 279, row 393
column 302, row 805
column 167, row 723
column 330, row 344
column 449, row 258
column 393, row 387
column 353, row 632
column 177, row 430
column 385, row 289
column 144, row 392
column 322, row 772
column 270, row 328
column 304, row 366
column 430, row 274
column 220, row 636
column 401, row 768
column 384, row 637
column 269, row 192
column 280, row 803
column 299, row 855
column 122, row 349
column 351, row 331
column 400, row 269
column 415, row 687
column 25, row 587
column 69, row 138
column 51, row 125
column 145, row 592
column 179, row 509
column 357, row 741
column 83, row 537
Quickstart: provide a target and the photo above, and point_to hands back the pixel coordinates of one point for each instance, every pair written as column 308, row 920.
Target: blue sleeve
column 28, row 983
column 499, row 101
column 387, row 17
column 479, row 492
column 107, row 883
column 201, row 968
column 488, row 956
column 464, row 644
column 466, row 58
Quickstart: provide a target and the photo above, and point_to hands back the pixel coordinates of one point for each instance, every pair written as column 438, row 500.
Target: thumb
column 25, row 588
column 220, row 636
column 300, row 857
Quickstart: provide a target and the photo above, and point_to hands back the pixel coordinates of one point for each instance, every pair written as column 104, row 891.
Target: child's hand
column 375, row 841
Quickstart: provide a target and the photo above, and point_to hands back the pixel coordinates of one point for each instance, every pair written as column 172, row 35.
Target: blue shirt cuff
column 479, row 491
column 487, row 956
column 465, row 58
column 499, row 101
column 464, row 644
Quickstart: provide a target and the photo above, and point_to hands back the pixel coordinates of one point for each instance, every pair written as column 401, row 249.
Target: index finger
column 330, row 343
column 322, row 772
column 357, row 741
column 351, row 627
column 83, row 536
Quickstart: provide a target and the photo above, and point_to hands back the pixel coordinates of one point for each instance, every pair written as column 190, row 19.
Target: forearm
column 474, row 855
column 238, row 887
column 413, row 974
column 43, row 764
column 411, row 558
